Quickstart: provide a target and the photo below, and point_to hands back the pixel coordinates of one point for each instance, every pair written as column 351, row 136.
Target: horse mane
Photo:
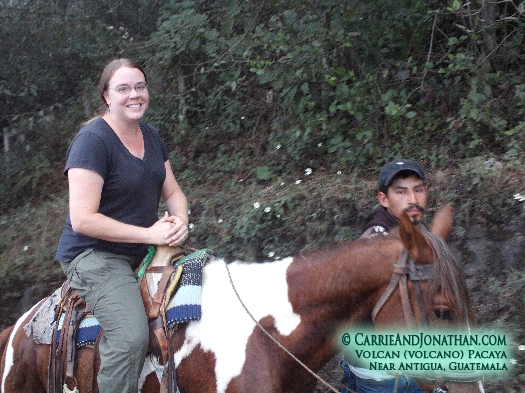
column 336, row 264
column 447, row 273
column 448, row 276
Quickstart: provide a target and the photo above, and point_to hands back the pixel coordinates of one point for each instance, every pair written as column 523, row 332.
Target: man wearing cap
column 402, row 188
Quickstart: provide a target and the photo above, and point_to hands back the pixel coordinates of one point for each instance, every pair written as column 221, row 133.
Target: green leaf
column 456, row 5
column 263, row 173
column 305, row 88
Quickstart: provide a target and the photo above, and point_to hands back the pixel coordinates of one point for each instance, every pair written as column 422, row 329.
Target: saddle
column 62, row 362
column 156, row 308
column 72, row 309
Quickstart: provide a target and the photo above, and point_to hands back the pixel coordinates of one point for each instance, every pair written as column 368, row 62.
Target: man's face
column 406, row 195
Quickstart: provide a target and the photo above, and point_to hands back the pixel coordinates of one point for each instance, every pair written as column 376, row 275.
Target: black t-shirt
column 132, row 187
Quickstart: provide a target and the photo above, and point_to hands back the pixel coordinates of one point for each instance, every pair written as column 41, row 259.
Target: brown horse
column 263, row 323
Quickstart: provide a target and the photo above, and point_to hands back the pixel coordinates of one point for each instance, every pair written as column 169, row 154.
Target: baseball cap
column 390, row 170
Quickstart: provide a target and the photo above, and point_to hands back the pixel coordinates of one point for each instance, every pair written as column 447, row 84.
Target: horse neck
column 342, row 285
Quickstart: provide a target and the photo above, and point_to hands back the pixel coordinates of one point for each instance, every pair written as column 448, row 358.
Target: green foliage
column 499, row 306
column 231, row 81
column 43, row 87
column 269, row 222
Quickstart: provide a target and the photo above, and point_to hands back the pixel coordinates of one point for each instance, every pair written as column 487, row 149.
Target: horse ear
column 414, row 241
column 442, row 222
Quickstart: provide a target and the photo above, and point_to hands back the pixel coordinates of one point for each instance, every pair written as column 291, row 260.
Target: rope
column 396, row 384
column 277, row 342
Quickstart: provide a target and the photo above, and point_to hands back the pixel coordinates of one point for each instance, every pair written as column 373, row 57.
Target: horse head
column 430, row 291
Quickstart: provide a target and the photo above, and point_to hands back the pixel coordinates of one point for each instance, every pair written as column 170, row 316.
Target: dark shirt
column 380, row 223
column 132, row 186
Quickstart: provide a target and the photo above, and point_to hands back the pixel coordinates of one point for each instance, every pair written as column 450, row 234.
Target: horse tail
column 4, row 338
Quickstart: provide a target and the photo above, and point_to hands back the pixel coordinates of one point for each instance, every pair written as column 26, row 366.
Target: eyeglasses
column 125, row 89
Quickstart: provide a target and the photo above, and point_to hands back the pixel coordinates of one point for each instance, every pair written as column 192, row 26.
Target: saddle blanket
column 42, row 324
column 184, row 306
column 87, row 333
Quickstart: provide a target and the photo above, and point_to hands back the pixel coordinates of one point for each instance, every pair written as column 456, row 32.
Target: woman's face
column 130, row 105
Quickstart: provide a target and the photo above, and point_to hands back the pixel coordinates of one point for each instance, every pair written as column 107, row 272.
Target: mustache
column 414, row 206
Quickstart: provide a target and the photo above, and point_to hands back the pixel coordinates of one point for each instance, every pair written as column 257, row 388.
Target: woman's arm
column 177, row 206
column 85, row 188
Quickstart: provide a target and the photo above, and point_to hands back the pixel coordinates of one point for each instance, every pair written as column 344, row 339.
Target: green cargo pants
column 112, row 293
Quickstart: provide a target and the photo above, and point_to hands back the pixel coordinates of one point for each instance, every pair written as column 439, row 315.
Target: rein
column 275, row 340
column 399, row 277
column 404, row 270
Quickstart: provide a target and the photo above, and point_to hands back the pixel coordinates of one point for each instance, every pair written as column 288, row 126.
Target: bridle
column 404, row 270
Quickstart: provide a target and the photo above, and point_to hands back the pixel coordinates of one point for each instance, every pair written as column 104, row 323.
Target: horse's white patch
column 225, row 326
column 151, row 365
column 10, row 350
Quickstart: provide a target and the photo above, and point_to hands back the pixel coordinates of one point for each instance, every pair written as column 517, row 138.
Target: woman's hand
column 178, row 232
column 170, row 230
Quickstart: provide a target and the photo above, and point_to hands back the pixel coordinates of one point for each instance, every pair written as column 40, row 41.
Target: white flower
column 26, row 248
column 519, row 197
column 282, row 183
column 191, row 226
column 308, row 171
column 189, row 211
column 338, row 172
column 521, row 347
column 256, row 205
column 278, row 147
column 271, row 254
column 242, row 118
column 219, row 220
column 319, row 144
column 267, row 209
column 298, row 182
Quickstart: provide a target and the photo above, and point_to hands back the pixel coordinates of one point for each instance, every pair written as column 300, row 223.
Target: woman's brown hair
column 110, row 69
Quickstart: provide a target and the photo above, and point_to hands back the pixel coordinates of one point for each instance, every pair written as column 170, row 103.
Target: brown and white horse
column 300, row 301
